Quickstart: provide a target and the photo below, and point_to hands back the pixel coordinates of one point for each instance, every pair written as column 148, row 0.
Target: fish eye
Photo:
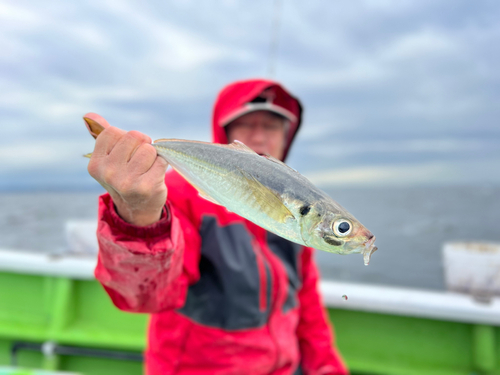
column 342, row 228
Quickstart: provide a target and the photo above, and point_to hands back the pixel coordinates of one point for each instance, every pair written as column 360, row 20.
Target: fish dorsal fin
column 240, row 146
column 180, row 140
column 267, row 200
column 161, row 140
column 274, row 160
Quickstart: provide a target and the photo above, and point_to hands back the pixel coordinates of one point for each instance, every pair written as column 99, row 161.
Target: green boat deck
column 379, row 330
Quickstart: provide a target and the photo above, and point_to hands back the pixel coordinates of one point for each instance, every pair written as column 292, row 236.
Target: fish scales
column 217, row 172
column 202, row 158
column 202, row 167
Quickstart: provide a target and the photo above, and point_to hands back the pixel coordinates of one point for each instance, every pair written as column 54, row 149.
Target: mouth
column 369, row 250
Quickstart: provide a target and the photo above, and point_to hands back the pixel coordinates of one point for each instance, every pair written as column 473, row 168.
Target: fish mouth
column 368, row 250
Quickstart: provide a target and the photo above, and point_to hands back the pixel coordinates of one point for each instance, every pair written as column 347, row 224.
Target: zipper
column 261, row 267
column 275, row 294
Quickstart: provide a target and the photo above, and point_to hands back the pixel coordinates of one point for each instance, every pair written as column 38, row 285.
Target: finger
column 107, row 140
column 141, row 136
column 95, row 123
column 159, row 167
column 126, row 146
column 142, row 159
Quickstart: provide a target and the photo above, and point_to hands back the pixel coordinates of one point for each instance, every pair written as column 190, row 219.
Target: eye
column 342, row 228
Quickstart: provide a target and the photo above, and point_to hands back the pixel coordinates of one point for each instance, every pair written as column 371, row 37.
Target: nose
column 258, row 134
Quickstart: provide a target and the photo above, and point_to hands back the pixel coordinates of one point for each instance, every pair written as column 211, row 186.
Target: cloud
column 405, row 146
column 15, row 16
column 469, row 172
column 386, row 66
column 423, row 73
column 173, row 47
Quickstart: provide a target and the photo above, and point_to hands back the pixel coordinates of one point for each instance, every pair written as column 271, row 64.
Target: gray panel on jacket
column 227, row 294
column 289, row 253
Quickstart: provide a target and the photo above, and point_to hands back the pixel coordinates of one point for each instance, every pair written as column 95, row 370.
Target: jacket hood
column 234, row 97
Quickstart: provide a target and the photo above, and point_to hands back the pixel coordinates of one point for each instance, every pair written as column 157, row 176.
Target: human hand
column 127, row 166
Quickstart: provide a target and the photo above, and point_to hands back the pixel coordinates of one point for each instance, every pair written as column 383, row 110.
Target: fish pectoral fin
column 267, row 200
column 207, row 197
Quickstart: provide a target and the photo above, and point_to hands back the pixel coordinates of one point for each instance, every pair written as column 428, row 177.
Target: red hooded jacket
column 225, row 296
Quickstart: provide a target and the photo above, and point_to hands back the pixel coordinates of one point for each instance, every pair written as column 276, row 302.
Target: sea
column 411, row 225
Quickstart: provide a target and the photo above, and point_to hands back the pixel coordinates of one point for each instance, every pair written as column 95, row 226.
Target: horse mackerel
column 265, row 191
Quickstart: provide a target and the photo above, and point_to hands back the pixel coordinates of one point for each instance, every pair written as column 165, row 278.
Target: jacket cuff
column 159, row 228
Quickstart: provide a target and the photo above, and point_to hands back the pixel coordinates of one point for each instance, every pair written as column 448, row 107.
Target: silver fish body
column 267, row 192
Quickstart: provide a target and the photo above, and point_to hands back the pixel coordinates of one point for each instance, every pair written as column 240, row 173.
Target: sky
column 396, row 93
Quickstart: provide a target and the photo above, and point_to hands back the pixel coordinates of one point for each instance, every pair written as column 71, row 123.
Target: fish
column 265, row 191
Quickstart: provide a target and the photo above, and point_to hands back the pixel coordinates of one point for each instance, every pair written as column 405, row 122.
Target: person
column 225, row 296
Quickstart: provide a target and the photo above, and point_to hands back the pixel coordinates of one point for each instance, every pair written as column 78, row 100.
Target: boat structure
column 55, row 317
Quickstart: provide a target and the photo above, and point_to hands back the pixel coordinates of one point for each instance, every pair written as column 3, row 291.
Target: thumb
column 95, row 123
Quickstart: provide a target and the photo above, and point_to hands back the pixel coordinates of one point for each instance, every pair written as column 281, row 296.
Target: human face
column 262, row 131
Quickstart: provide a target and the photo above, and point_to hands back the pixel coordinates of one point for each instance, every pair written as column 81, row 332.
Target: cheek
column 278, row 146
column 233, row 134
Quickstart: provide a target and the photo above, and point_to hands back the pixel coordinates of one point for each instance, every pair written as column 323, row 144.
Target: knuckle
column 112, row 130
column 127, row 141
column 114, row 134
column 92, row 168
column 139, row 136
column 108, row 175
column 133, row 135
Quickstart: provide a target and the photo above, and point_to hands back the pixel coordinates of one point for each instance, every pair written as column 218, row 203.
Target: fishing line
column 273, row 47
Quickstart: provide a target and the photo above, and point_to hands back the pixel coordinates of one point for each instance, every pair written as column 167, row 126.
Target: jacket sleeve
column 146, row 269
column 318, row 351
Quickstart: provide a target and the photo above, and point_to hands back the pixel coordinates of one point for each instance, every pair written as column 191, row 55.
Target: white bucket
column 472, row 267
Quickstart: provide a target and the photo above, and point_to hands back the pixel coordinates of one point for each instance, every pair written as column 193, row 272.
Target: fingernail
column 93, row 127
